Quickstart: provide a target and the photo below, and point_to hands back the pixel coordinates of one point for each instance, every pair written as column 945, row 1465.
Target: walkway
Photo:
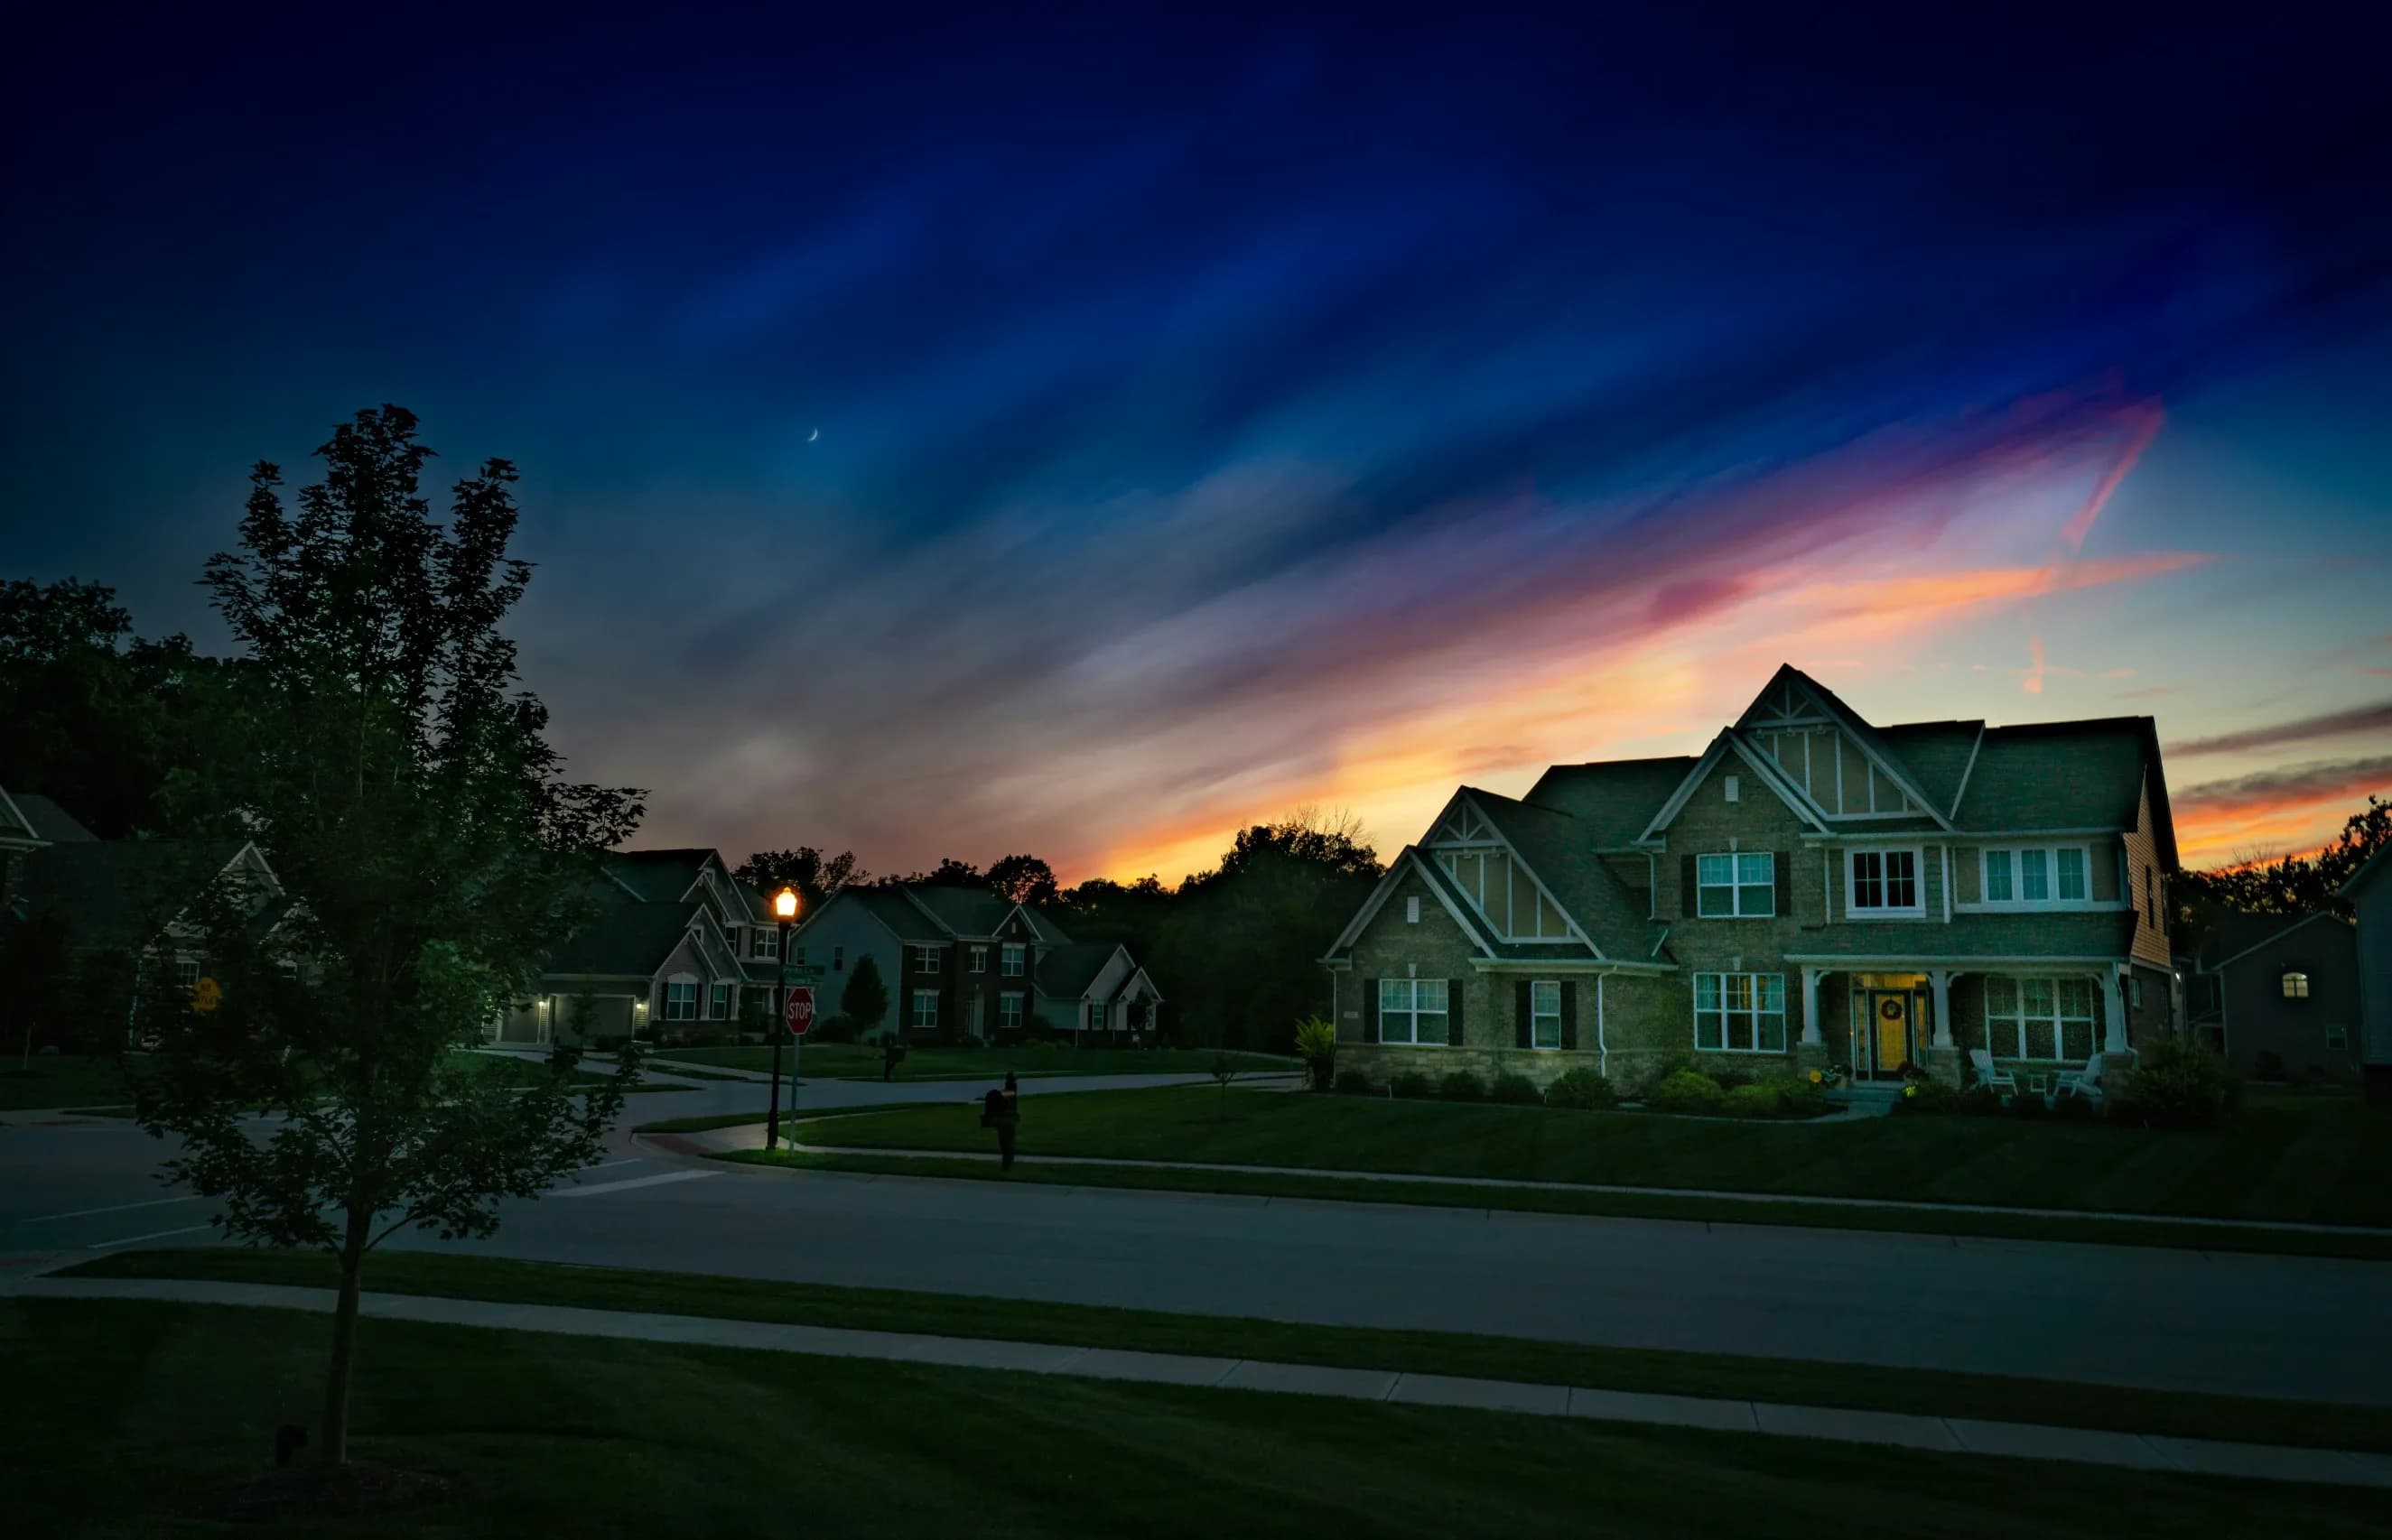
column 1950, row 1435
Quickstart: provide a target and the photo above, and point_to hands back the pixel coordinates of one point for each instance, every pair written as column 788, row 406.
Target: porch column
column 2113, row 1013
column 1811, row 1038
column 1939, row 980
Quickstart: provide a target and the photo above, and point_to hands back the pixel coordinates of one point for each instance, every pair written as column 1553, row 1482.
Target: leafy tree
column 2292, row 885
column 1023, row 880
column 813, row 874
column 949, row 873
column 401, row 789
column 866, row 999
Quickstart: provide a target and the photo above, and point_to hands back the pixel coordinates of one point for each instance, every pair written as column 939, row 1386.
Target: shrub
column 832, row 1029
column 1411, row 1083
column 1978, row 1101
column 1687, row 1090
column 1353, row 1082
column 1517, row 1089
column 1316, row 1044
column 1727, row 1077
column 1583, row 1089
column 1750, row 1101
column 1798, row 1096
column 1929, row 1098
column 2178, row 1085
column 2070, row 1107
column 1463, row 1086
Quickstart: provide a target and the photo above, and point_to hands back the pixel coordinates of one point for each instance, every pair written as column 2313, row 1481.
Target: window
column 2338, row 1036
column 979, row 959
column 1412, row 1010
column 2135, row 991
column 2151, row 894
column 1740, row 1013
column 797, row 957
column 1411, row 912
column 1008, row 1010
column 1735, row 789
column 718, row 1008
column 1884, row 882
column 1009, row 960
column 926, row 1010
column 2036, row 875
column 2039, row 1018
column 766, row 942
column 2296, row 986
column 731, row 939
column 1738, row 886
column 1095, row 1016
column 1545, row 1013
column 681, row 1000
column 187, row 973
column 926, row 959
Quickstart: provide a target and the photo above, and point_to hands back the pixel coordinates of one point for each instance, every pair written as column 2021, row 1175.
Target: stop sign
column 800, row 1010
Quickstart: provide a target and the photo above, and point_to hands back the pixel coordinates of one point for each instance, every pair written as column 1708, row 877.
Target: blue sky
column 946, row 437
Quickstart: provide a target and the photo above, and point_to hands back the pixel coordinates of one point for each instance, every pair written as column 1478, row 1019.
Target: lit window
column 926, row 1010
column 2039, row 1018
column 1412, row 1010
column 1008, row 1010
column 1545, row 1013
column 1884, row 882
column 1740, row 1013
column 1009, row 960
column 1738, row 886
column 2296, row 986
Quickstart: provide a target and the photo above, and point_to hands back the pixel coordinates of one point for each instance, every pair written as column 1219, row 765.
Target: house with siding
column 2279, row 995
column 1812, row 890
column 2369, row 893
column 964, row 962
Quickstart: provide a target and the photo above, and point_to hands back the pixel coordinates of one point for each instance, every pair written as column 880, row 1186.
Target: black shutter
column 1686, row 887
column 1784, row 861
column 1454, row 1013
column 1520, row 1013
column 1569, row 1012
column 1369, row 1010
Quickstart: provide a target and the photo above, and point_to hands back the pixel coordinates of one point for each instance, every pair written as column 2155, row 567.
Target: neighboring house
column 2279, row 995
column 962, row 961
column 29, row 822
column 2369, row 895
column 677, row 943
column 1811, row 891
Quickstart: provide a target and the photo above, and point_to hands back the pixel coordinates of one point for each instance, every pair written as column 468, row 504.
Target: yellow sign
column 206, row 995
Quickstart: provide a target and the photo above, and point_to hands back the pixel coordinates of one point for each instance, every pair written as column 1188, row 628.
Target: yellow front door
column 1891, row 1015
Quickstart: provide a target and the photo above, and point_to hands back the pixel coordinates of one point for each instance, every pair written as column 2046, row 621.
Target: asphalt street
column 2300, row 1326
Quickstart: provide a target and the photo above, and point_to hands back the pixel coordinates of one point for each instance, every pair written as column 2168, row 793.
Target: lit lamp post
column 785, row 914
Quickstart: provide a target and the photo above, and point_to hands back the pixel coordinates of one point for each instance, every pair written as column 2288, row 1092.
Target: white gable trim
column 1801, row 805
column 1371, row 905
column 1968, row 770
column 18, row 813
column 1462, row 810
column 1884, row 767
column 1521, row 863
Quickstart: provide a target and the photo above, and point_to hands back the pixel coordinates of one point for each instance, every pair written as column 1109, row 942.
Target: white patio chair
column 1992, row 1075
column 2084, row 1083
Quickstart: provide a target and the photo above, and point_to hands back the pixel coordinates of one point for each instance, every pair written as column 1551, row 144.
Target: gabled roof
column 1871, row 742
column 658, row 876
column 630, row 938
column 1612, row 799
column 2370, row 873
column 1937, row 755
column 1554, row 847
column 1768, row 774
column 899, row 915
column 1067, row 972
column 975, row 913
column 2064, row 775
column 118, row 894
column 1410, row 860
column 2233, row 937
column 29, row 815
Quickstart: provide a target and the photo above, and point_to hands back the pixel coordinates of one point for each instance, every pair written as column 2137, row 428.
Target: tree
column 1023, row 880
column 866, row 999
column 2291, row 885
column 815, row 875
column 429, row 853
column 949, row 873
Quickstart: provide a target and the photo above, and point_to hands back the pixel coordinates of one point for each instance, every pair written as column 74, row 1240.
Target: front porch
column 1888, row 1019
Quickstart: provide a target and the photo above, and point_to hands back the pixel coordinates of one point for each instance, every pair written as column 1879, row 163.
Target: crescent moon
column 815, row 434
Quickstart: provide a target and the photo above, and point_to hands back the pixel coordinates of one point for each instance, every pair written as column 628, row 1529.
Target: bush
column 1750, row 1101
column 1316, row 1044
column 1798, row 1096
column 1411, row 1083
column 1463, row 1086
column 833, row 1029
column 1687, row 1090
column 1353, row 1082
column 1582, row 1089
column 1978, row 1101
column 2178, row 1085
column 1928, row 1098
column 1517, row 1089
column 1728, row 1076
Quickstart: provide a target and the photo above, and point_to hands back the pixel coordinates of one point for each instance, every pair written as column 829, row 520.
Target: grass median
column 1720, row 1374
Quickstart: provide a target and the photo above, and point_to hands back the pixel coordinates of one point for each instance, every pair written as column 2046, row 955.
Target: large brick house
column 1811, row 891
column 963, row 962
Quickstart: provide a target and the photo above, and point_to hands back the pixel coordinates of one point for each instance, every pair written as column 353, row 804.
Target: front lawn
column 147, row 1411
column 60, row 1079
column 2298, row 1159
column 837, row 1061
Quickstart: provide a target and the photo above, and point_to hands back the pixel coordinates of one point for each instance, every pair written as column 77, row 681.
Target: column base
column 1944, row 1064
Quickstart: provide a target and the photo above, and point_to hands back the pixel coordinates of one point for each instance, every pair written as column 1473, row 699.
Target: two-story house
column 1811, row 891
column 964, row 962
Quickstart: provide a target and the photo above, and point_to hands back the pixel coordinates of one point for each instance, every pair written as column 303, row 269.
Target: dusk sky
column 967, row 438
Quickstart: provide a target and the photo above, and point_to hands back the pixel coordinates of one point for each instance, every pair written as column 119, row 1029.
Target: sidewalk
column 751, row 1136
column 1950, row 1435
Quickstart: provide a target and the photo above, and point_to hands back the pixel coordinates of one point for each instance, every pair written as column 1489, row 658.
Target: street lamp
column 785, row 914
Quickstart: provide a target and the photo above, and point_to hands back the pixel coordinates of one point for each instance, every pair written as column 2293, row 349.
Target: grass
column 851, row 1061
column 2307, row 1159
column 1719, row 1375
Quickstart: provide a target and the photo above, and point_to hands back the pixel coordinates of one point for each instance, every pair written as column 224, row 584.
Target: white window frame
column 187, row 973
column 1756, row 990
column 1539, row 1015
column 681, row 1000
column 925, row 959
column 1737, row 886
column 1097, row 1021
column 1854, row 909
column 1412, row 910
column 1412, row 991
column 979, row 959
column 720, row 1002
column 916, row 1018
column 1009, row 959
column 2014, row 861
column 2012, row 1029
column 1009, row 1014
column 2294, row 984
column 767, row 942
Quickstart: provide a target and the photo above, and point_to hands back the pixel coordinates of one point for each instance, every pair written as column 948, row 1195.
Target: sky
column 956, row 434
